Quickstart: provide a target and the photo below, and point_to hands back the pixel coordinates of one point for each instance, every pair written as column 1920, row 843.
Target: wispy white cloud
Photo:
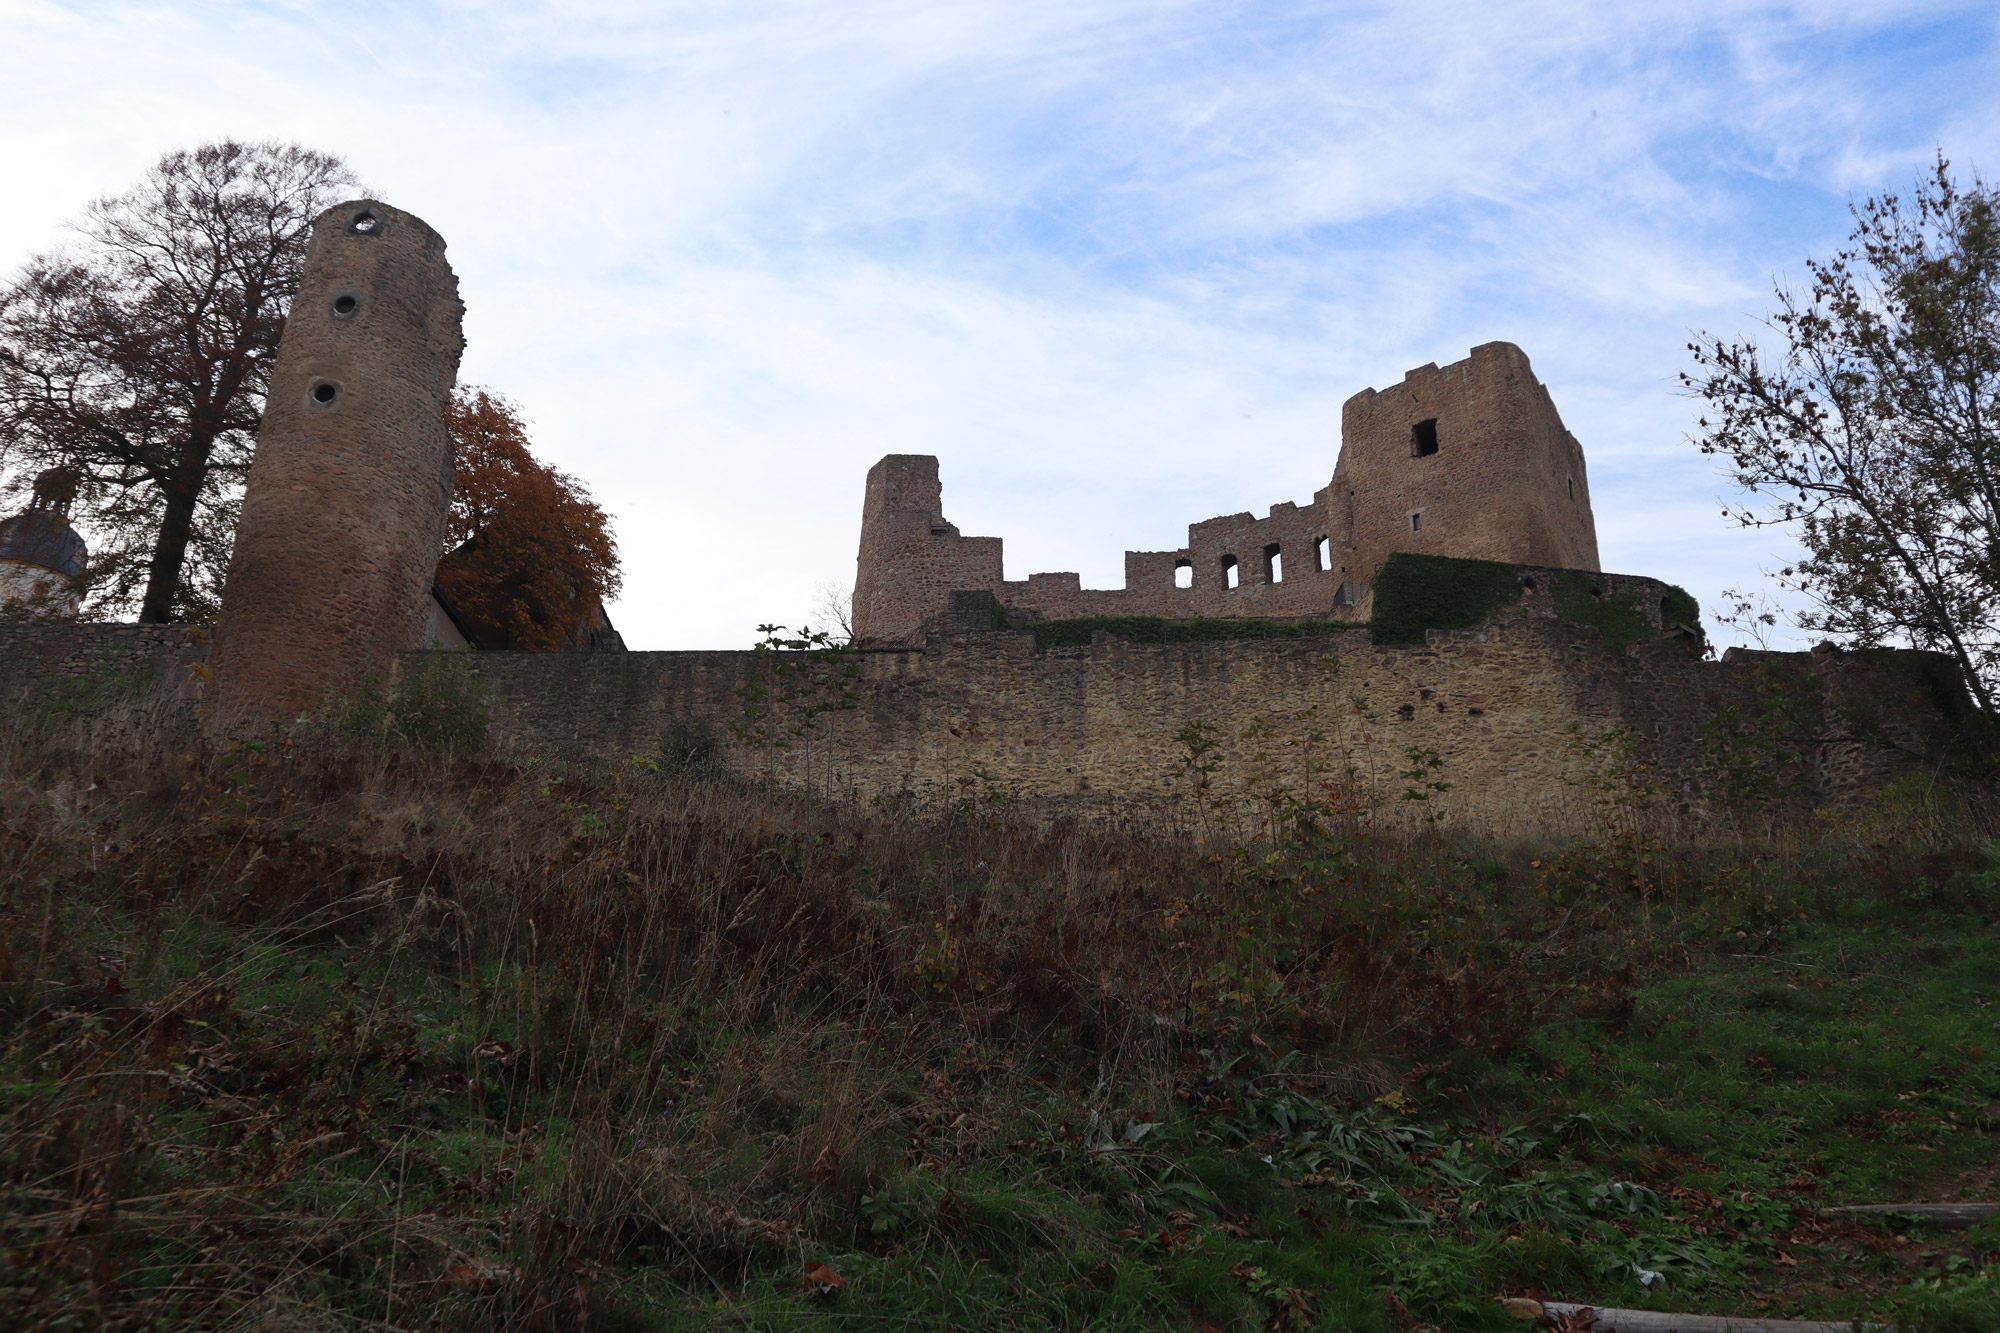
column 1117, row 261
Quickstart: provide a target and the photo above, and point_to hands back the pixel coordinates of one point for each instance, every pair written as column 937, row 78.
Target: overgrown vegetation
column 1615, row 615
column 1415, row 593
column 528, row 556
column 311, row 1033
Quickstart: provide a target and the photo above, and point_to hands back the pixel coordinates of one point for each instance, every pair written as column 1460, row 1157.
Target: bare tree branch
column 1872, row 430
column 140, row 356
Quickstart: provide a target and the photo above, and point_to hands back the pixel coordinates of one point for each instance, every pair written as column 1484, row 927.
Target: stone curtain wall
column 40, row 656
column 344, row 511
column 39, row 649
column 1505, row 482
column 1518, row 713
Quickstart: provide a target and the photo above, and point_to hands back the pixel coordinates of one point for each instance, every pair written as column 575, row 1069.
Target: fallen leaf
column 821, row 1280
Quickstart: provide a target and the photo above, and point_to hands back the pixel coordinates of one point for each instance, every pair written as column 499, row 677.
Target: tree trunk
column 163, row 577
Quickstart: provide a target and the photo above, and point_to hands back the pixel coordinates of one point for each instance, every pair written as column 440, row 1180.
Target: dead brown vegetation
column 294, row 1027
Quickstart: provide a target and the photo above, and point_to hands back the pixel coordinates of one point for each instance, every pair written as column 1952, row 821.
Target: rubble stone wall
column 1531, row 718
column 1528, row 716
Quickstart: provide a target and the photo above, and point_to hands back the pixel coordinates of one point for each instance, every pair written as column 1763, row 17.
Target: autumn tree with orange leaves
column 528, row 554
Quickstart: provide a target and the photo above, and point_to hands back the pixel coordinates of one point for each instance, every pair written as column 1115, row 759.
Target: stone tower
column 40, row 554
column 911, row 558
column 1471, row 460
column 344, row 513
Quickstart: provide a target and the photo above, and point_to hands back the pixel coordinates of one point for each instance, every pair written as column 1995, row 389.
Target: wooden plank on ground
column 1951, row 1216
column 1654, row 1321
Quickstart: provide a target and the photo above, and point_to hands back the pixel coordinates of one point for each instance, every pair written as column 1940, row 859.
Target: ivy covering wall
column 1683, row 609
column 1616, row 616
column 1415, row 593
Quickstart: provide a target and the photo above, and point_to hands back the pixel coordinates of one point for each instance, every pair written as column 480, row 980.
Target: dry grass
column 300, row 1036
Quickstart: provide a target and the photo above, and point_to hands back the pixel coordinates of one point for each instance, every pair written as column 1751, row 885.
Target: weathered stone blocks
column 1471, row 460
column 344, row 514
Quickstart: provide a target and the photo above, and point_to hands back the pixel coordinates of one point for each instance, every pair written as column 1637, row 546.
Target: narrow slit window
column 1572, row 488
column 1416, row 523
column 1231, row 575
column 1183, row 573
column 1323, row 554
column 1274, row 564
column 1424, row 438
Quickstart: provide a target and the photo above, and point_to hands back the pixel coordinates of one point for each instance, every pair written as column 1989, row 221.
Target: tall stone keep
column 1471, row 460
column 344, row 513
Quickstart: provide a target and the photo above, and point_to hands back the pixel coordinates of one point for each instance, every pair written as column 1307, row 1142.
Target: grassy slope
column 304, row 1040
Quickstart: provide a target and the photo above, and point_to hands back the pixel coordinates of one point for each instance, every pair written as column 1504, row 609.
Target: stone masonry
column 1471, row 461
column 1518, row 725
column 344, row 513
column 1530, row 716
column 1524, row 713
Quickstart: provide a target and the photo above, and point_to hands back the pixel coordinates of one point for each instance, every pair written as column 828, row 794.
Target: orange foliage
column 528, row 554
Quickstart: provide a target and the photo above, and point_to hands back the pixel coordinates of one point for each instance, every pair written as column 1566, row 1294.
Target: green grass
column 1832, row 1064
column 318, row 1041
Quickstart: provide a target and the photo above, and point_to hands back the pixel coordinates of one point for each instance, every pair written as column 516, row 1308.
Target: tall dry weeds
column 299, row 1036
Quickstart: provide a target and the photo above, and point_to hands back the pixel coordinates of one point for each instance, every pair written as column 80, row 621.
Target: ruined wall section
column 911, row 558
column 1471, row 460
column 1523, row 714
column 344, row 511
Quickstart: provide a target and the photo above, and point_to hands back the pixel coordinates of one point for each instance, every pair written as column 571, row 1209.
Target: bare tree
column 1875, row 431
column 833, row 609
column 140, row 355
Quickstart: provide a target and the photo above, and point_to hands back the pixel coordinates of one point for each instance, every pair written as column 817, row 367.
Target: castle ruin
column 1470, row 461
column 1455, row 539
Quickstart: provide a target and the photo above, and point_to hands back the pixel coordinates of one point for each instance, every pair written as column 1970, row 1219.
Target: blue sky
column 1117, row 263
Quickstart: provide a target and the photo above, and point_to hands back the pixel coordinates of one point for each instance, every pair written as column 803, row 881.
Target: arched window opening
column 1231, row 575
column 1274, row 564
column 1424, row 438
column 1323, row 554
column 1183, row 573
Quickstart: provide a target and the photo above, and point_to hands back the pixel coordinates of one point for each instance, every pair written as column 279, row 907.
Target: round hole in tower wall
column 345, row 304
column 366, row 223
column 323, row 393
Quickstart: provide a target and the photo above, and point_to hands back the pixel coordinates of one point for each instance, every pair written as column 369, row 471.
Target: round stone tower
column 344, row 512
column 40, row 554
